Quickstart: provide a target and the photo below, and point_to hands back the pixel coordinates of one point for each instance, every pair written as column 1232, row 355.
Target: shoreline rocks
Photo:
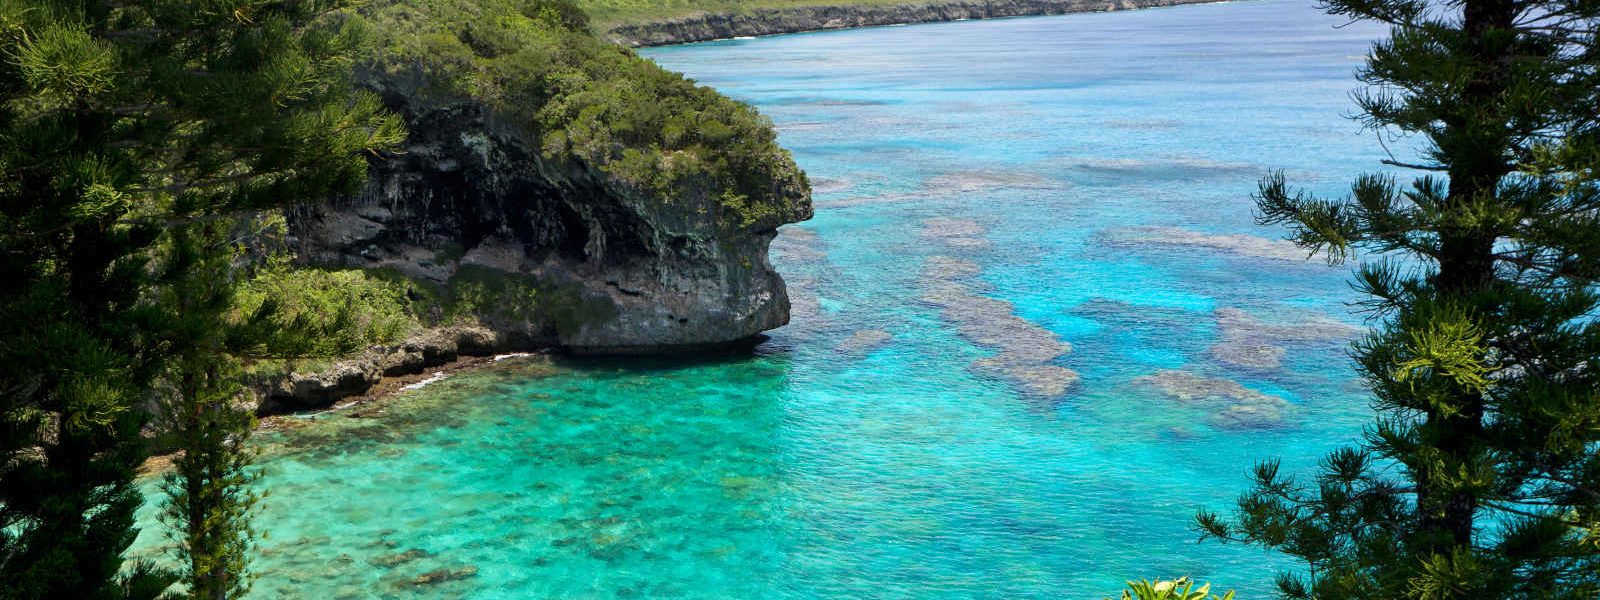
column 719, row 26
column 316, row 388
column 616, row 266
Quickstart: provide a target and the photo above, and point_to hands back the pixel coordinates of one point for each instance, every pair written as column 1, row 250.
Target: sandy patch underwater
column 1034, row 331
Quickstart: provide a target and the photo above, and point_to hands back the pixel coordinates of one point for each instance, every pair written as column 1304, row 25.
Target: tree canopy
column 126, row 129
column 1481, row 476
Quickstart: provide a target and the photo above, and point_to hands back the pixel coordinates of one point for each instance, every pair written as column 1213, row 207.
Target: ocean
column 1035, row 329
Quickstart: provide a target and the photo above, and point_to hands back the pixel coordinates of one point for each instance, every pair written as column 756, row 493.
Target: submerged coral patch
column 1247, row 341
column 1145, row 124
column 1025, row 352
column 1231, row 405
column 1178, row 168
column 864, row 341
column 954, row 232
column 804, row 306
column 951, row 227
column 950, row 283
column 966, row 182
column 1042, row 380
column 798, row 244
column 1249, row 246
column 940, row 268
column 1245, row 352
column 824, row 185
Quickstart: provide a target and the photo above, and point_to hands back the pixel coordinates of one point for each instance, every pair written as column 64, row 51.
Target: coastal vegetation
column 319, row 312
column 285, row 311
column 1480, row 477
column 149, row 150
column 591, row 102
column 610, row 13
column 667, row 22
column 139, row 141
column 147, row 156
column 1175, row 589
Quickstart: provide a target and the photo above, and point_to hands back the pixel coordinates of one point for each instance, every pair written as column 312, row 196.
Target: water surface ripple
column 1034, row 331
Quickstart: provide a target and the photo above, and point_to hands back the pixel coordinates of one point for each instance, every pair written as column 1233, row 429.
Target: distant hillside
column 662, row 22
column 610, row 13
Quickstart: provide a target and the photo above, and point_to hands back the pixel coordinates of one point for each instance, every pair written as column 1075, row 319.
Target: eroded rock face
column 618, row 270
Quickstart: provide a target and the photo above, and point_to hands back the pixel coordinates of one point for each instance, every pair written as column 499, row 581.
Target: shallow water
column 1035, row 330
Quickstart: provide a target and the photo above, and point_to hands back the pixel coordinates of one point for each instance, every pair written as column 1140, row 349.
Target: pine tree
column 210, row 498
column 1481, row 476
column 128, row 130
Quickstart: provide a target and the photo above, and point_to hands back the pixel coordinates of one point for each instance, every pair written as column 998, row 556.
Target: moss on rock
column 595, row 104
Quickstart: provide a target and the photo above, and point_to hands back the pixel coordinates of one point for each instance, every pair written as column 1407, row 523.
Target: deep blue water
column 1035, row 330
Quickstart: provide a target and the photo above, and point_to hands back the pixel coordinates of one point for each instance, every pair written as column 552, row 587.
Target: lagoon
column 1035, row 329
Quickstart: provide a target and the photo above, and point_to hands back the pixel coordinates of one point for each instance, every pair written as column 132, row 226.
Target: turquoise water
column 1035, row 330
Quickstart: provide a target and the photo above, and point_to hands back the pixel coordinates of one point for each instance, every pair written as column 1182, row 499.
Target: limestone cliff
column 716, row 26
column 615, row 266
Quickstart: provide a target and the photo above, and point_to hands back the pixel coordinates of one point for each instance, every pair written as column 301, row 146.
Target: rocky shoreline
column 718, row 26
column 372, row 375
column 377, row 370
column 353, row 234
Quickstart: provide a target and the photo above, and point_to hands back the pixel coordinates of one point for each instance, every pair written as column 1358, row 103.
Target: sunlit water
column 983, row 188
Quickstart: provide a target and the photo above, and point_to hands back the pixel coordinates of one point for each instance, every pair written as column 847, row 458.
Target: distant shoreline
column 761, row 22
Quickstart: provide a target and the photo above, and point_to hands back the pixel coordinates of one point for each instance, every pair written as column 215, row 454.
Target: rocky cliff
column 718, row 26
column 573, row 194
column 608, row 267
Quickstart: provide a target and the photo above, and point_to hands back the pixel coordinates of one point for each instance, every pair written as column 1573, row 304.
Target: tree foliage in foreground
column 134, row 137
column 1176, row 589
column 1481, row 475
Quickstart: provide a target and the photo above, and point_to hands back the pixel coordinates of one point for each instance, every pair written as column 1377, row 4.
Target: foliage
column 209, row 496
column 611, row 13
column 287, row 311
column 481, row 291
column 594, row 104
column 1177, row 589
column 1481, row 476
column 129, row 132
column 478, row 294
column 562, row 14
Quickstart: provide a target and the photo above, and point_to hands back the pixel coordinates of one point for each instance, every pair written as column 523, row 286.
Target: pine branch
column 1396, row 163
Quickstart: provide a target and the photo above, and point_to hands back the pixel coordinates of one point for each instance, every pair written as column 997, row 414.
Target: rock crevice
column 618, row 270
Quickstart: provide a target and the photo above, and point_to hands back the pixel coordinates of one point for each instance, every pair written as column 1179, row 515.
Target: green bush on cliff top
column 593, row 102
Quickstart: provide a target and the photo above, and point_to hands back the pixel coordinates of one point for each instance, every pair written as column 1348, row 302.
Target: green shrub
column 593, row 102
column 565, row 14
column 291, row 313
column 611, row 13
column 310, row 312
column 477, row 291
column 1177, row 589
